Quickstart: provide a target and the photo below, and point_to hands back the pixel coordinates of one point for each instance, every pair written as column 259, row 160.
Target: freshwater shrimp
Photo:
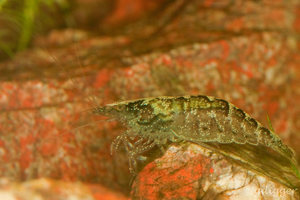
column 208, row 121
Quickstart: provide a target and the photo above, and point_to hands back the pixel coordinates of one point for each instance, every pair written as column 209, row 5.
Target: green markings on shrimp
column 199, row 119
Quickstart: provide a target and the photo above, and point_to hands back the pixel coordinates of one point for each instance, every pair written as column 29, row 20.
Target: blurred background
column 58, row 58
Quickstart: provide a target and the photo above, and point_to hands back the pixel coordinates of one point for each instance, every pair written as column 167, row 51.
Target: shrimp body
column 200, row 119
column 193, row 118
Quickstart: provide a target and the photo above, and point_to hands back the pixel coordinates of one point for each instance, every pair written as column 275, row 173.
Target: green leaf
column 29, row 12
column 270, row 124
column 2, row 2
